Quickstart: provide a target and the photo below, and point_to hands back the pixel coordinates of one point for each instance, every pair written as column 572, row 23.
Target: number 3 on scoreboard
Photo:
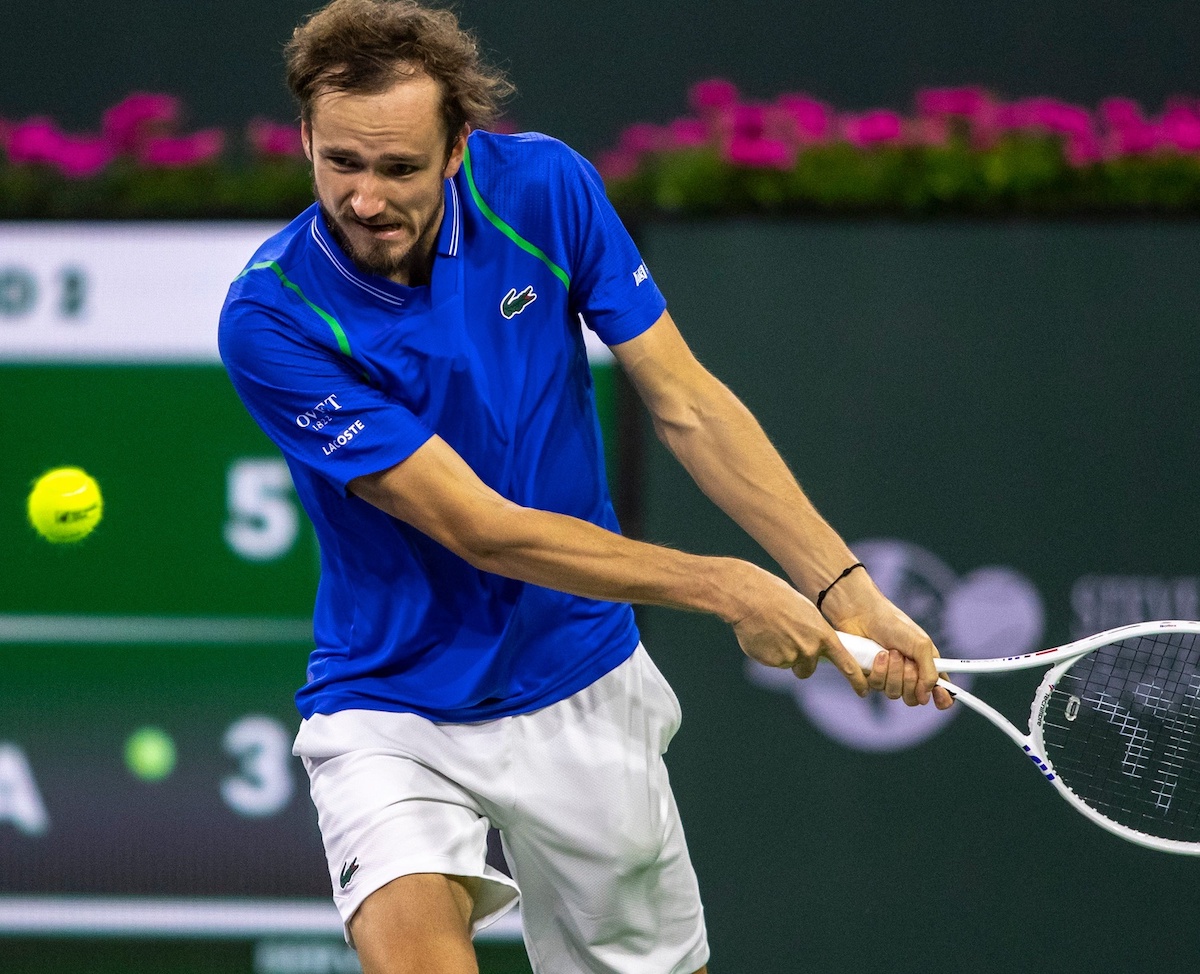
column 263, row 749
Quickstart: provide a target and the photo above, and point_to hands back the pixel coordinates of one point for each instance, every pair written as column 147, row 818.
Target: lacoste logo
column 348, row 872
column 513, row 303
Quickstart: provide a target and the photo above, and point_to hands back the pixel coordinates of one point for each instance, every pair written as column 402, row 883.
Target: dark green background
column 160, row 439
column 585, row 69
column 1013, row 394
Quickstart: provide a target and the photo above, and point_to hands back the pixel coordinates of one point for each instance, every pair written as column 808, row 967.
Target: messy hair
column 365, row 46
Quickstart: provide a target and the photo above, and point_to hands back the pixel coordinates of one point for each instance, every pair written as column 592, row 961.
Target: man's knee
column 419, row 924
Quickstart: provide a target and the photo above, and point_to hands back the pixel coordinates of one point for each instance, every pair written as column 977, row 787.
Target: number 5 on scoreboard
column 263, row 522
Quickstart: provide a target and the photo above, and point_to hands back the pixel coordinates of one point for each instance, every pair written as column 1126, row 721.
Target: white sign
column 118, row 292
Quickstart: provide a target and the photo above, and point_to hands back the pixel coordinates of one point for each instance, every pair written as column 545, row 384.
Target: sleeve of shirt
column 610, row 284
column 311, row 400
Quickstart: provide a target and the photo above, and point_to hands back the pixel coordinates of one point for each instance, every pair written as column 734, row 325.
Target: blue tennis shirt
column 350, row 373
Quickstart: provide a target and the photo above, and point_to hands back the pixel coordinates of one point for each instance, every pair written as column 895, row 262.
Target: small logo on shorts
column 348, row 872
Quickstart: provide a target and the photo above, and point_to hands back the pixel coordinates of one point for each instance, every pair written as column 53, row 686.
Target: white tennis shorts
column 579, row 792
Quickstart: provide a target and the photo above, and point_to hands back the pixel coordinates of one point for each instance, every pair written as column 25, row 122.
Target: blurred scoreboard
column 147, row 784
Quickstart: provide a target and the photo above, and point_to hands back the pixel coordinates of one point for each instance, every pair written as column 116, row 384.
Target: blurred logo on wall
column 990, row 611
column 1100, row 602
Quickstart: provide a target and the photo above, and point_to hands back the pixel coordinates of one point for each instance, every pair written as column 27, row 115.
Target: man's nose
column 367, row 199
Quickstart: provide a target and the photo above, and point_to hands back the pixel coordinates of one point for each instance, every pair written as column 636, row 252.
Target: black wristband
column 825, row 591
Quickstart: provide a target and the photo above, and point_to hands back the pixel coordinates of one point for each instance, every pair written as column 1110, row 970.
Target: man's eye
column 340, row 162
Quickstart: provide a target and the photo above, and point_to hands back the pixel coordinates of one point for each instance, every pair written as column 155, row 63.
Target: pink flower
column 178, row 151
column 81, row 156
column 940, row 102
column 1133, row 140
column 687, row 133
column 758, row 153
column 128, row 123
column 1083, row 150
column 1121, row 113
column 749, row 121
column 873, row 128
column 39, row 140
column 813, row 118
column 33, row 140
column 1058, row 116
column 932, row 130
column 272, row 139
column 712, row 95
column 1187, row 103
column 617, row 164
column 1180, row 128
column 1014, row 115
column 642, row 138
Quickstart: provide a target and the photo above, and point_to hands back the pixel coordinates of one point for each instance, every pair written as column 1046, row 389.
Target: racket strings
column 1122, row 730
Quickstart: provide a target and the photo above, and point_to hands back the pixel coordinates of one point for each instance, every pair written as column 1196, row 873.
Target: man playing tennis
column 412, row 344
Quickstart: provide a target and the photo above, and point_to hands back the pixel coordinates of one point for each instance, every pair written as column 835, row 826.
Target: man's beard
column 377, row 259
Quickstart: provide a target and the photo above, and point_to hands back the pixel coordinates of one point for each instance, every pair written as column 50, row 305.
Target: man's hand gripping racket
column 1114, row 726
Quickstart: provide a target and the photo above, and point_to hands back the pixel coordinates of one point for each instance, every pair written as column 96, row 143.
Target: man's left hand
column 906, row 669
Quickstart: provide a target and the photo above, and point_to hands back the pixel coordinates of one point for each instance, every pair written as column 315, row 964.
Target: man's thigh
column 594, row 836
column 417, row 924
column 385, row 812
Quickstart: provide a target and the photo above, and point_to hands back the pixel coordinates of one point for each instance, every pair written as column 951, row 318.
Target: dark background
column 584, row 69
column 1018, row 395
column 1021, row 395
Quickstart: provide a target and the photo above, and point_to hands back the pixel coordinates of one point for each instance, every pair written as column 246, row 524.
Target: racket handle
column 862, row 649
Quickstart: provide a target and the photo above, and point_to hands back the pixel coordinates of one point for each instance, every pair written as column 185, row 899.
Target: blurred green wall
column 1001, row 419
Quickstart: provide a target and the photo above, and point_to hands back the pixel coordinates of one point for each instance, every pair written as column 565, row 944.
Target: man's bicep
column 438, row 493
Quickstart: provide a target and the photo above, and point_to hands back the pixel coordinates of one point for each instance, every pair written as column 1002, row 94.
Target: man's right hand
column 779, row 627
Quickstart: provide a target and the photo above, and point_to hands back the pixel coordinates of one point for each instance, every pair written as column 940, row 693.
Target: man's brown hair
column 365, row 46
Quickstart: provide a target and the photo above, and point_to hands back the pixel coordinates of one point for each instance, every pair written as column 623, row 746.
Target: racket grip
column 862, row 649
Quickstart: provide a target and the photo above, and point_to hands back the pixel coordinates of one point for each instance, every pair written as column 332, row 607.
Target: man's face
column 378, row 166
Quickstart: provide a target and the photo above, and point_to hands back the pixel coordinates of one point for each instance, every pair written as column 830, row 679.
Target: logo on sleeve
column 641, row 274
column 513, row 303
column 348, row 871
column 318, row 416
column 344, row 437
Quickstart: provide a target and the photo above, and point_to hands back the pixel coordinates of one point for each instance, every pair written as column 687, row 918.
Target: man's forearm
column 726, row 452
column 572, row 555
column 437, row 493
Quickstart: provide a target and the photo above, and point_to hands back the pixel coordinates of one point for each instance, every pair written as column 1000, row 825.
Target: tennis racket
column 1114, row 726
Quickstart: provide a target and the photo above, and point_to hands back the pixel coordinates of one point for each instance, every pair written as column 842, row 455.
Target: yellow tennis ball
column 65, row 505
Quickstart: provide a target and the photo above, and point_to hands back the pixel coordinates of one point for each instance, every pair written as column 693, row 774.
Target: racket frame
column 1032, row 743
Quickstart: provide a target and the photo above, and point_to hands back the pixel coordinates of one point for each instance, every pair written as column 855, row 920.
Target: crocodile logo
column 513, row 303
column 348, row 872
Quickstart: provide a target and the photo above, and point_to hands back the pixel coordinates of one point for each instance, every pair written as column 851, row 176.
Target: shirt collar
column 450, row 233
column 449, row 241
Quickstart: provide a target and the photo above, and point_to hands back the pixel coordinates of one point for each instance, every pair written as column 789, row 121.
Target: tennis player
column 412, row 343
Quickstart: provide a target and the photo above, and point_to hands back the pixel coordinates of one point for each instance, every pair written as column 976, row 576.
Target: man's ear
column 456, row 153
column 306, row 138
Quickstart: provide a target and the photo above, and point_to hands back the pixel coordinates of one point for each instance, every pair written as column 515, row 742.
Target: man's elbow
column 482, row 539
